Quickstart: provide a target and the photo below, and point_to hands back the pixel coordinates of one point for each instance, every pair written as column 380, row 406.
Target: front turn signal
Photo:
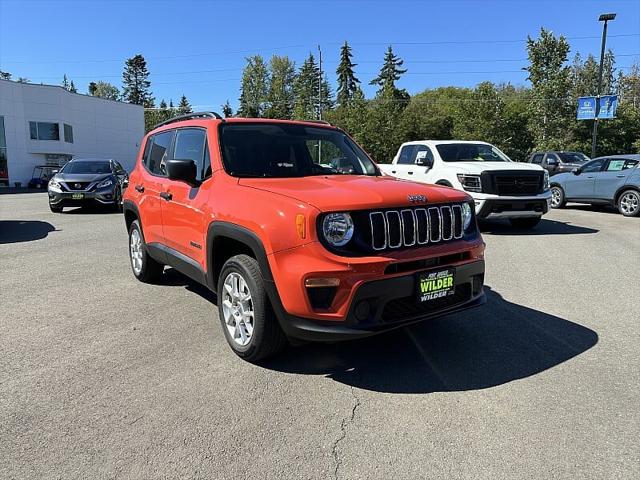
column 301, row 226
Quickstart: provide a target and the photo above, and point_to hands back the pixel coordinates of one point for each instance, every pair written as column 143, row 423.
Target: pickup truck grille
column 415, row 226
column 512, row 183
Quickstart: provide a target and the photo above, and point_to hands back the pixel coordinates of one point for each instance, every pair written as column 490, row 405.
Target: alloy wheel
column 629, row 203
column 237, row 308
column 135, row 249
column 556, row 197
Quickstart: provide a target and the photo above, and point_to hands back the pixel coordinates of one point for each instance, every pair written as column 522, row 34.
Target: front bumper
column 494, row 206
column 382, row 305
column 104, row 196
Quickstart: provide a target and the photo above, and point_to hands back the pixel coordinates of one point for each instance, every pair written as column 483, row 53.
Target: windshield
column 573, row 157
column 289, row 150
column 470, row 152
column 86, row 167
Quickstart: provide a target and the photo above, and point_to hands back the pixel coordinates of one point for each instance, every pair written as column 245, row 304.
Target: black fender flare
column 129, row 206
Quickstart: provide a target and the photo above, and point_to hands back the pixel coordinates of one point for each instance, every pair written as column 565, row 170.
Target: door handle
column 139, row 188
column 619, row 176
column 589, row 177
column 393, row 171
column 166, row 195
column 410, row 173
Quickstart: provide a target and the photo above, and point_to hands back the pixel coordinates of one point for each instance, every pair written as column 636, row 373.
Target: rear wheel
column 629, row 203
column 248, row 321
column 525, row 223
column 557, row 197
column 145, row 268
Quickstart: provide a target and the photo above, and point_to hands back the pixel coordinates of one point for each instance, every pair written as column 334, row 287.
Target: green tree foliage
column 389, row 74
column 254, row 88
column 136, row 87
column 184, row 107
column 308, row 89
column 227, row 111
column 347, row 81
column 282, row 75
column 550, row 77
column 104, row 90
column 5, row 75
column 65, row 82
column 72, row 87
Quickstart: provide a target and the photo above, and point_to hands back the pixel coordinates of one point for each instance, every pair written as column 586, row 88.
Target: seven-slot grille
column 415, row 226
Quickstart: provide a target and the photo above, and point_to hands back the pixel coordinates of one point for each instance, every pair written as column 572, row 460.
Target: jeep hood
column 478, row 167
column 353, row 192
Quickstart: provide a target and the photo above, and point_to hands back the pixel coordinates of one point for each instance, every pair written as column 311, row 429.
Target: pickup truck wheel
column 525, row 223
column 145, row 268
column 557, row 197
column 248, row 321
column 629, row 203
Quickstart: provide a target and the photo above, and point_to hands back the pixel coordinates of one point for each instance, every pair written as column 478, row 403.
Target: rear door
column 183, row 219
column 582, row 186
column 151, row 182
column 614, row 175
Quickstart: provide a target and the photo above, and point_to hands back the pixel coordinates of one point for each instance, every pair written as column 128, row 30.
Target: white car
column 500, row 187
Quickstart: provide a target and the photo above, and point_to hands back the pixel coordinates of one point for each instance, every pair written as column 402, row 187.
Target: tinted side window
column 189, row 145
column 406, row 155
column 593, row 166
column 159, row 152
column 206, row 167
column 551, row 157
column 537, row 158
column 630, row 164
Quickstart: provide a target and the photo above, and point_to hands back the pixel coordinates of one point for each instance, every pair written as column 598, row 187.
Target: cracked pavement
column 105, row 377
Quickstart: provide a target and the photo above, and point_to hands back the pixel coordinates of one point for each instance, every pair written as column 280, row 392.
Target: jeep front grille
column 415, row 226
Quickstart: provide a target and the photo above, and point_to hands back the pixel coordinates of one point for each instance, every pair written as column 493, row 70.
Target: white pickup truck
column 500, row 187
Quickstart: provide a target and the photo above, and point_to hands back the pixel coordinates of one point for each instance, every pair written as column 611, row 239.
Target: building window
column 44, row 131
column 68, row 133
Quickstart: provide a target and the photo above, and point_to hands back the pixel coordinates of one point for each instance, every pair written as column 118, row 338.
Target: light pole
column 605, row 17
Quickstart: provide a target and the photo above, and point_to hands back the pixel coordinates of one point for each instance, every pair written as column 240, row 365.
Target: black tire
column 267, row 338
column 55, row 208
column 525, row 223
column 561, row 201
column 629, row 203
column 150, row 270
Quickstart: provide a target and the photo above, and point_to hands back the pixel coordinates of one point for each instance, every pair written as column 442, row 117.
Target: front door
column 613, row 177
column 183, row 220
column 582, row 186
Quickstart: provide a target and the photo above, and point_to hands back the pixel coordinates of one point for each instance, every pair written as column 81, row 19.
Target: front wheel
column 629, row 203
column 248, row 321
column 557, row 197
column 55, row 208
column 525, row 223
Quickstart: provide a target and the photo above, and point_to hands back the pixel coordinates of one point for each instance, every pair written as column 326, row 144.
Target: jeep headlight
column 546, row 181
column 337, row 229
column 467, row 216
column 105, row 183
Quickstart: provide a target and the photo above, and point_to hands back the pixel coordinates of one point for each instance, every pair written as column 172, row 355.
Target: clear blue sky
column 442, row 42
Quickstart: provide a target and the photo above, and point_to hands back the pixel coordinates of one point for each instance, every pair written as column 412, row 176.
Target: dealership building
column 47, row 125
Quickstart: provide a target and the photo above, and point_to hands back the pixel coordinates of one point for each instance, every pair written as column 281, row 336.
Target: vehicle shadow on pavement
column 15, row 231
column 91, row 209
column 545, row 227
column 480, row 348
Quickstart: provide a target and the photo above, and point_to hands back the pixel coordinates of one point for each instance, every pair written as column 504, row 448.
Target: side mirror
column 424, row 162
column 577, row 171
column 53, row 172
column 182, row 170
column 552, row 162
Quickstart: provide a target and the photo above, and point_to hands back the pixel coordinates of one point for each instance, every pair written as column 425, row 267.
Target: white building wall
column 101, row 128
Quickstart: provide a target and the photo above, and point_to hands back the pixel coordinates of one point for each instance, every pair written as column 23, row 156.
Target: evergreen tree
column 551, row 109
column 280, row 96
column 347, row 81
column 254, row 88
column 135, row 82
column 104, row 90
column 163, row 104
column 72, row 88
column 227, row 111
column 65, row 82
column 184, row 107
column 23, row 80
column 389, row 74
column 307, row 89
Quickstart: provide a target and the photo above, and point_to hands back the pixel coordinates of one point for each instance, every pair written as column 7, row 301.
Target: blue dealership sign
column 587, row 107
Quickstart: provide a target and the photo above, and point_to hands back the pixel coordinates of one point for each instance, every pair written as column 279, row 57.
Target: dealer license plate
column 435, row 284
column 77, row 196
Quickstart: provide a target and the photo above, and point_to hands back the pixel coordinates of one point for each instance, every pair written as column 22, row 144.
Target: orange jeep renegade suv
column 297, row 231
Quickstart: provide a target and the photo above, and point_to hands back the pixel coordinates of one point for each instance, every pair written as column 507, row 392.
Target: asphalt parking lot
column 103, row 377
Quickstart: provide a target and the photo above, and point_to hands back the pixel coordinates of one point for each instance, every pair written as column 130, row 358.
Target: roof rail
column 189, row 116
column 322, row 122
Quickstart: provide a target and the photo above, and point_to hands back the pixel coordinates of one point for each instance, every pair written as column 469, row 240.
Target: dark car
column 85, row 181
column 41, row 175
column 558, row 161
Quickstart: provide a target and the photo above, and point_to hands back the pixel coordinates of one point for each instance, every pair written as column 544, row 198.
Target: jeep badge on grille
column 417, row 198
